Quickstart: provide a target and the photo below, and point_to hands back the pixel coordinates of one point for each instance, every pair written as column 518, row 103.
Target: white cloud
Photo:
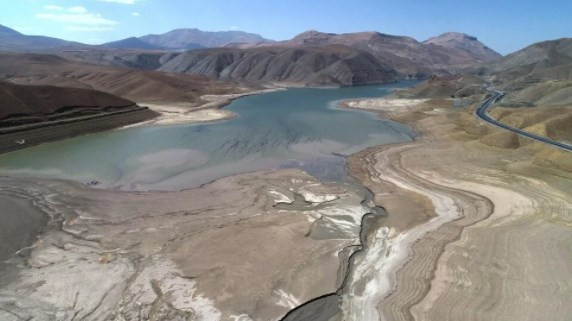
column 77, row 10
column 53, row 7
column 79, row 18
column 136, row 14
column 120, row 1
column 234, row 28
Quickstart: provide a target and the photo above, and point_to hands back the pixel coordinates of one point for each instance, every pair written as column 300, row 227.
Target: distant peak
column 8, row 31
column 312, row 34
column 455, row 36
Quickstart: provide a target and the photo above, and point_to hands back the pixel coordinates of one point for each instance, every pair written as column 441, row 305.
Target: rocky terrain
column 471, row 45
column 323, row 59
column 538, row 75
column 309, row 66
column 137, row 85
column 407, row 55
column 310, row 59
column 316, row 58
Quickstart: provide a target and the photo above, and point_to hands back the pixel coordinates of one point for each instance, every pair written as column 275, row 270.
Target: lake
column 299, row 128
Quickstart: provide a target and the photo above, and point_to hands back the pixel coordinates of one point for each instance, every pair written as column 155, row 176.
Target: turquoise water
column 294, row 128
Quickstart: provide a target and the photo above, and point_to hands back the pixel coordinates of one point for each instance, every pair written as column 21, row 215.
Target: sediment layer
column 246, row 247
column 496, row 249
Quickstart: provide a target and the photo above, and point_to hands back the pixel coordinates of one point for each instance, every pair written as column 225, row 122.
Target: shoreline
column 212, row 110
column 341, row 264
column 407, row 268
column 401, row 261
column 144, row 115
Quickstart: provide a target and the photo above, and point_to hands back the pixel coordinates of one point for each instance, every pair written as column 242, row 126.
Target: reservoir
column 300, row 128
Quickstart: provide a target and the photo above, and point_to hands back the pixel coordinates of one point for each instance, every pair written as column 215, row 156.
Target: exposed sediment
column 496, row 249
column 174, row 113
column 196, row 254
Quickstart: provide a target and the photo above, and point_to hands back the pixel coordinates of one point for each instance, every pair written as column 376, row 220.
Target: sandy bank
column 185, row 113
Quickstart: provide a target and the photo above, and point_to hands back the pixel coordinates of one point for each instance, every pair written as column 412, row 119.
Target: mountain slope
column 405, row 54
column 138, row 85
column 470, row 45
column 549, row 59
column 194, row 38
column 11, row 40
column 131, row 43
column 36, row 103
column 327, row 65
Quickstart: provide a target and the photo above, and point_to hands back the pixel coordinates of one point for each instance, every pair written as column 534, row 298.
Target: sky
column 503, row 25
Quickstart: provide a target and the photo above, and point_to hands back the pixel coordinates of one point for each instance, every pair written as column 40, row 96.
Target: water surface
column 294, row 128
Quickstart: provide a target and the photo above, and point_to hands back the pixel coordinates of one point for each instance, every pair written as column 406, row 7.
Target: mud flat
column 494, row 244
column 246, row 247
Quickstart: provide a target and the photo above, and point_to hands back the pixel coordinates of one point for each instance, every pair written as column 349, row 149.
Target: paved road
column 483, row 113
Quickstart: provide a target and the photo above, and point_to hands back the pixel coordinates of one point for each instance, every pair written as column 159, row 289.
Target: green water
column 294, row 128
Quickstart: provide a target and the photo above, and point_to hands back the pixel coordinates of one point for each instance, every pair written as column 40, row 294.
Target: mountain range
column 405, row 54
column 12, row 40
column 186, row 39
column 311, row 58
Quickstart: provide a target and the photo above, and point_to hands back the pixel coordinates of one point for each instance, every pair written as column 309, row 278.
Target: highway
column 483, row 113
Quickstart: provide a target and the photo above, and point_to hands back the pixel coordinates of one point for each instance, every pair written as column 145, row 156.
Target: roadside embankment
column 18, row 137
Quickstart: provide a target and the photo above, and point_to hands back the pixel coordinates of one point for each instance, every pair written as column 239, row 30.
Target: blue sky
column 505, row 26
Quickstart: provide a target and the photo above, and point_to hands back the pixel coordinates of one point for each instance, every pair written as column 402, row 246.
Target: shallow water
column 294, row 128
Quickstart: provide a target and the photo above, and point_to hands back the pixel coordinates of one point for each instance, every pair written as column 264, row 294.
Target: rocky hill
column 538, row 75
column 288, row 66
column 138, row 85
column 407, row 55
column 310, row 59
column 548, row 59
column 469, row 44
column 26, row 104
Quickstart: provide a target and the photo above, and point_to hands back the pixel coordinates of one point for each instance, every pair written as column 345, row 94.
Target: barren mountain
column 26, row 104
column 469, row 44
column 131, row 43
column 538, row 75
column 194, row 38
column 548, row 59
column 405, row 54
column 291, row 66
column 11, row 40
column 43, row 69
